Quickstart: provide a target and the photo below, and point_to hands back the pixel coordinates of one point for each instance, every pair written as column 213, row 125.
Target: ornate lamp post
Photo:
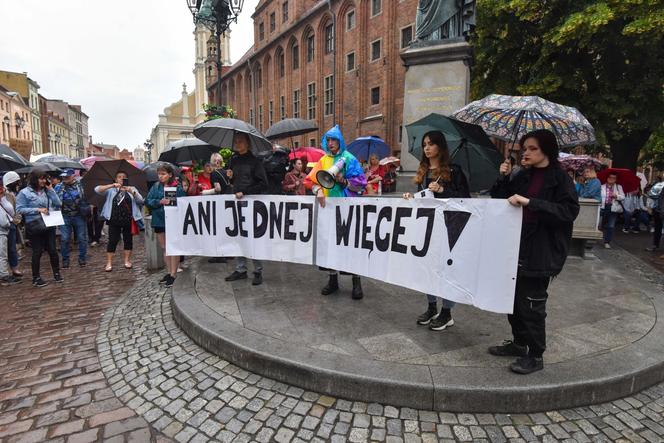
column 148, row 151
column 216, row 15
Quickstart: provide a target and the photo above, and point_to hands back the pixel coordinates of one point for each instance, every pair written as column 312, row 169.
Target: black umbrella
column 103, row 173
column 61, row 162
column 187, row 150
column 44, row 167
column 151, row 171
column 10, row 159
column 220, row 132
column 290, row 127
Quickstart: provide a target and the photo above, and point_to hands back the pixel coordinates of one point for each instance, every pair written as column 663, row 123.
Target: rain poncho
column 352, row 171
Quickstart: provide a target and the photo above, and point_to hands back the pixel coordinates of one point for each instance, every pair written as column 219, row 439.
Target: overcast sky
column 123, row 61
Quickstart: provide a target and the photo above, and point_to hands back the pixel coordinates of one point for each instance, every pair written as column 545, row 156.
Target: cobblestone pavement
column 51, row 385
column 193, row 396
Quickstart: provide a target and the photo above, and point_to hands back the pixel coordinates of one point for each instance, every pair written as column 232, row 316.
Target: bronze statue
column 444, row 19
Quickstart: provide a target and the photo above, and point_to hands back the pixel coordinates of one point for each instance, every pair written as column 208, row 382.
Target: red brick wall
column 353, row 111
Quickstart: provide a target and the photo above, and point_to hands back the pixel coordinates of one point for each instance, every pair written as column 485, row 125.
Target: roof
column 247, row 55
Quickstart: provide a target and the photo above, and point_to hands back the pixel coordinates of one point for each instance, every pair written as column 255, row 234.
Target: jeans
column 627, row 219
column 78, row 225
column 608, row 223
column 241, row 265
column 12, row 253
column 447, row 304
column 40, row 243
column 640, row 217
column 528, row 319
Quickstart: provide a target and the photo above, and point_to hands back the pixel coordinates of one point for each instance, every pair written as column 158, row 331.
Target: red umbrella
column 626, row 178
column 309, row 154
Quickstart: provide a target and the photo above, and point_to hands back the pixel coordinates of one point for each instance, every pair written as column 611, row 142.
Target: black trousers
column 40, row 243
column 95, row 227
column 657, row 235
column 528, row 320
column 114, row 232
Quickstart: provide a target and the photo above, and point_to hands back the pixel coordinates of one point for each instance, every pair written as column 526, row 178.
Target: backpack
column 656, row 190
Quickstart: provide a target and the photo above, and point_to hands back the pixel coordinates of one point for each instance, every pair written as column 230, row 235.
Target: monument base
column 437, row 81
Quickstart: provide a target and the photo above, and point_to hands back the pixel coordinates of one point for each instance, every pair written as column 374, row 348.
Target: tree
column 653, row 152
column 603, row 57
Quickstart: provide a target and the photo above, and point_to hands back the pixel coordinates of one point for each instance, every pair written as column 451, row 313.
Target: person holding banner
column 550, row 205
column 348, row 181
column 444, row 180
column 156, row 201
column 249, row 178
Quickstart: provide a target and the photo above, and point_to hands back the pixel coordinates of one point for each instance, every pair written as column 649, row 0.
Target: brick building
column 331, row 61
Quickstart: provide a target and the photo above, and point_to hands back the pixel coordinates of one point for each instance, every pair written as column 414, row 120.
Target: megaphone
column 327, row 177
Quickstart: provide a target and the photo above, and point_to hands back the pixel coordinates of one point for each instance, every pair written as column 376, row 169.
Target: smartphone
column 125, row 182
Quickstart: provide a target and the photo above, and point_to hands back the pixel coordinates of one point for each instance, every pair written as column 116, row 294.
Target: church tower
column 204, row 67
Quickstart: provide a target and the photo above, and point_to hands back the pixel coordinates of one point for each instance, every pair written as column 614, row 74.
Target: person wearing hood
column 350, row 182
column 550, row 205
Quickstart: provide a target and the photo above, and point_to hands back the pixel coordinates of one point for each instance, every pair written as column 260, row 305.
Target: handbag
column 134, row 227
column 37, row 226
column 617, row 207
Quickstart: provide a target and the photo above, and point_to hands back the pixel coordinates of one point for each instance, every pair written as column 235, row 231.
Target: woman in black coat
column 550, row 205
column 444, row 180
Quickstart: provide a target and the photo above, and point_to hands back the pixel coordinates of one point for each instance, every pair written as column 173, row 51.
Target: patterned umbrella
column 509, row 117
column 579, row 162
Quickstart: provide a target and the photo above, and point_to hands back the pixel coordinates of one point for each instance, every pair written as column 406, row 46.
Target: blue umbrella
column 363, row 147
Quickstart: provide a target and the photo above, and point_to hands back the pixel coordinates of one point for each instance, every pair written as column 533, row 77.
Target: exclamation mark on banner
column 455, row 221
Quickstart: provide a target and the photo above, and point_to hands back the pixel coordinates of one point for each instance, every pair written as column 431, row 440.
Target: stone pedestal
column 437, row 81
column 585, row 226
column 154, row 254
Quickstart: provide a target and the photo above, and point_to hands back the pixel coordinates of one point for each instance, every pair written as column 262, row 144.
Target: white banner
column 273, row 227
column 465, row 250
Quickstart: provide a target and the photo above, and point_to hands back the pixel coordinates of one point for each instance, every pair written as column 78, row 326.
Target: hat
column 9, row 178
column 68, row 173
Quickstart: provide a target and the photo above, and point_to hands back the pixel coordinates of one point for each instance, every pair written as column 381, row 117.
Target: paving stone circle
column 190, row 395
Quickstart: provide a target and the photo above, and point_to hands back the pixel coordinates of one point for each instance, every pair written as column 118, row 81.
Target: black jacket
column 544, row 246
column 248, row 174
column 457, row 187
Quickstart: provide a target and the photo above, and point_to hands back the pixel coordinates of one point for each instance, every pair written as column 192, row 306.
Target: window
column 329, row 38
column 284, row 12
column 251, row 117
column 350, row 20
column 311, row 101
column 375, row 50
column 406, row 36
column 251, row 81
column 329, row 95
column 375, row 95
column 259, row 77
column 282, row 64
column 376, row 7
column 312, row 141
column 282, row 107
column 311, row 45
column 270, row 115
column 296, row 103
column 350, row 61
column 273, row 22
column 297, row 145
column 296, row 56
column 261, row 32
column 260, row 118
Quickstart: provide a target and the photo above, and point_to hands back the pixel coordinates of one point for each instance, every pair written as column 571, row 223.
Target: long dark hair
column 33, row 179
column 443, row 171
column 547, row 142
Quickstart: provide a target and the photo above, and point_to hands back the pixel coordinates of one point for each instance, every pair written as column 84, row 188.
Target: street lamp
column 217, row 16
column 148, row 151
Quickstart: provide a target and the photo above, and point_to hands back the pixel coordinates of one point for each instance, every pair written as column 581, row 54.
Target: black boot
column 443, row 321
column 332, row 285
column 430, row 314
column 357, row 288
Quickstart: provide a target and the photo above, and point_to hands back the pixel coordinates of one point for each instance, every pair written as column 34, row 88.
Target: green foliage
column 213, row 112
column 226, row 154
column 653, row 152
column 603, row 57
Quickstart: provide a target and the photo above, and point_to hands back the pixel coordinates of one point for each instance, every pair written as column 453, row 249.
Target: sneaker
column 164, row 279
column 427, row 316
column 636, row 231
column 607, row 246
column 38, row 282
column 625, row 231
column 443, row 321
column 94, row 243
column 527, row 365
column 258, row 279
column 82, row 263
column 58, row 278
column 509, row 349
column 65, row 264
column 169, row 283
column 236, row 275
column 9, row 280
column 652, row 248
